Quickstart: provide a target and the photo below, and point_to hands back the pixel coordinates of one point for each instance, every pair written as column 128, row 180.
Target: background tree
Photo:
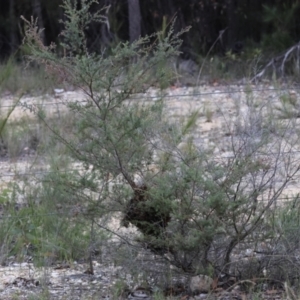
column 250, row 22
column 134, row 15
column 37, row 13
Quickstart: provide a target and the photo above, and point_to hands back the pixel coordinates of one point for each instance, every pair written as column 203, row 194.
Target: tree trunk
column 13, row 32
column 37, row 12
column 134, row 15
column 232, row 23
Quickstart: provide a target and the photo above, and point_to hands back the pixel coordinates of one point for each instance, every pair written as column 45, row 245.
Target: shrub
column 194, row 209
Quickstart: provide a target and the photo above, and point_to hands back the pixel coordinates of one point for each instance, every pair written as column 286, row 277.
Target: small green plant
column 120, row 290
column 7, row 228
column 208, row 114
column 3, row 121
column 16, row 78
column 14, row 138
column 41, row 295
column 159, row 296
column 289, row 107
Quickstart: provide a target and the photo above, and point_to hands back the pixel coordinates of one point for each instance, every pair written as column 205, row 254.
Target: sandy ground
column 219, row 108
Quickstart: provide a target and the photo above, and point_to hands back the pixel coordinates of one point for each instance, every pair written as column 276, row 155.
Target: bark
column 232, row 23
column 13, row 32
column 37, row 12
column 134, row 15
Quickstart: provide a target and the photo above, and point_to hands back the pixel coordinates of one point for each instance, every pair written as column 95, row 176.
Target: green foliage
column 287, row 221
column 114, row 134
column 6, row 71
column 76, row 22
column 16, row 79
column 288, row 107
column 120, row 289
column 41, row 227
column 4, row 121
column 283, row 20
column 189, row 207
